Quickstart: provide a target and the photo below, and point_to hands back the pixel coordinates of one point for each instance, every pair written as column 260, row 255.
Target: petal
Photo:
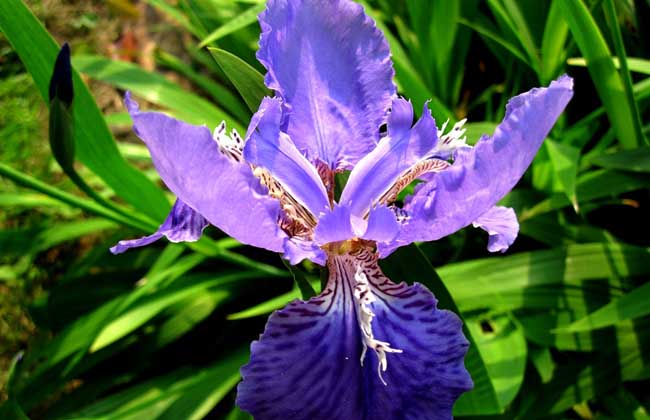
column 221, row 189
column 296, row 250
column 334, row 226
column 402, row 148
column 307, row 363
column 123, row 246
column 332, row 68
column 382, row 225
column 502, row 226
column 182, row 224
column 272, row 150
column 481, row 176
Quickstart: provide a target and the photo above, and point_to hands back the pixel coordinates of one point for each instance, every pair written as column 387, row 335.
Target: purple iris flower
column 365, row 347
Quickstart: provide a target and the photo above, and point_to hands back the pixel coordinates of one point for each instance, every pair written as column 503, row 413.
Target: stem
column 218, row 249
column 72, row 200
column 91, row 193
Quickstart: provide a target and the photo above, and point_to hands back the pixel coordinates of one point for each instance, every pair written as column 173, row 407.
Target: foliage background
column 559, row 324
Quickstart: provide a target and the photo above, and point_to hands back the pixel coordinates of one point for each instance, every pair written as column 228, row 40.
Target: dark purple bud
column 61, row 81
column 61, row 117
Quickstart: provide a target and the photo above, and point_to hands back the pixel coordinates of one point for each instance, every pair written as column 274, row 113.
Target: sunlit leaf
column 154, row 88
column 248, row 81
column 629, row 306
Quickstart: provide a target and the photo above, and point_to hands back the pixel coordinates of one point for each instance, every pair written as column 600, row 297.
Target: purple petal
column 223, row 190
column 402, row 148
column 332, row 67
column 502, row 226
column 339, row 225
column 182, row 224
column 272, row 150
column 334, row 226
column 307, row 363
column 481, row 176
column 123, row 246
column 296, row 250
column 382, row 225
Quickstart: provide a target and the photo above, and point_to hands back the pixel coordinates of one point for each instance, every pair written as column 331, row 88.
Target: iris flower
column 366, row 347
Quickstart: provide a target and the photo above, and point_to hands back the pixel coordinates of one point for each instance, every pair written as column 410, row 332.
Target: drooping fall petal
column 307, row 364
column 183, row 224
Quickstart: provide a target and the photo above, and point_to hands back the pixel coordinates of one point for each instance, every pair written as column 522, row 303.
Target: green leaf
column 268, row 306
column 222, row 95
column 503, row 349
column 176, row 15
column 154, row 88
column 590, row 186
column 306, row 289
column 542, row 360
column 145, row 310
column 553, row 53
column 533, row 279
column 564, row 159
column 477, row 129
column 62, row 232
column 482, row 26
column 509, row 14
column 31, row 241
column 620, row 356
column 186, row 314
column 601, row 67
column 248, row 81
column 94, row 142
column 615, row 32
column 241, row 20
column 11, row 410
column 629, row 306
column 623, row 405
column 188, row 393
column 237, row 414
column 30, row 200
column 442, row 30
column 11, row 375
column 637, row 160
column 639, row 65
column 67, row 198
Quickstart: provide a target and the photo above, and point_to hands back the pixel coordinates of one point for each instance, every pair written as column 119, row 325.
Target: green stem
column 91, row 193
column 72, row 200
column 610, row 16
column 216, row 249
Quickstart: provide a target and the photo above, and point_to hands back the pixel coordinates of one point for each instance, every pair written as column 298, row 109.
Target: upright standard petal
column 221, row 189
column 481, row 176
column 269, row 148
column 331, row 66
column 502, row 226
column 401, row 149
column 334, row 226
column 322, row 359
column 182, row 224
column 382, row 225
